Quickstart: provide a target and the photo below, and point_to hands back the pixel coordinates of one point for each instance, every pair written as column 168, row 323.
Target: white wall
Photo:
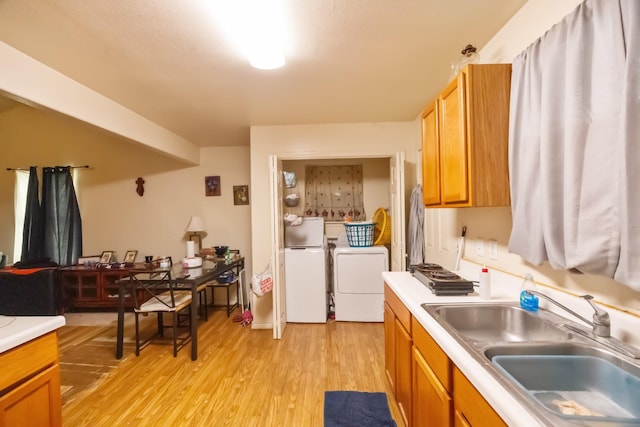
column 350, row 140
column 443, row 226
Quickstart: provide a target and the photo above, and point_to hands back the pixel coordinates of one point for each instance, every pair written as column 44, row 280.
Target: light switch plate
column 480, row 247
column 493, row 249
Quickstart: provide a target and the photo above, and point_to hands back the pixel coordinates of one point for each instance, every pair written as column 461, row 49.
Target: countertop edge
column 17, row 330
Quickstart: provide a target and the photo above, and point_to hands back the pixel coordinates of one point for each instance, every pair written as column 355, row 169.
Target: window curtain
column 62, row 241
column 334, row 192
column 573, row 143
column 33, row 222
column 19, row 210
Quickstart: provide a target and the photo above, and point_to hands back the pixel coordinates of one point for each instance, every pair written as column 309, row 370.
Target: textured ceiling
column 347, row 60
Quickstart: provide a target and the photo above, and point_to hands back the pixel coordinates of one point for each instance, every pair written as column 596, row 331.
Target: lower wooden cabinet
column 403, row 372
column 471, row 405
column 398, row 344
column 390, row 346
column 30, row 384
column 431, row 401
column 429, row 388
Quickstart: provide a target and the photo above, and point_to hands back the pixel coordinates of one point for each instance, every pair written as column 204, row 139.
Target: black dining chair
column 161, row 296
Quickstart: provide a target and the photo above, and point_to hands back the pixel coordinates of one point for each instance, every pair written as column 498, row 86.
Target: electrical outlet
column 493, row 249
column 480, row 247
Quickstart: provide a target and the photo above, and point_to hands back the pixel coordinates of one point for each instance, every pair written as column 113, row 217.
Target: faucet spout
column 601, row 324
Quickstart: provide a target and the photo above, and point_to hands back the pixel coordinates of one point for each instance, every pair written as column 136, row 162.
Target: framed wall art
column 212, row 186
column 240, row 194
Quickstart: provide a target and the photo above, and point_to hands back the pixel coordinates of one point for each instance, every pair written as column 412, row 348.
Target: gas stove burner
column 443, row 275
column 443, row 282
column 426, row 267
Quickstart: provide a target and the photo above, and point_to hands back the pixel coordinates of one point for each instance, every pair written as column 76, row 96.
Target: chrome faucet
column 601, row 323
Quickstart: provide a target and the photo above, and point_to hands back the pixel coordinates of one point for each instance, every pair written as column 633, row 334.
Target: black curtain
column 62, row 242
column 32, row 237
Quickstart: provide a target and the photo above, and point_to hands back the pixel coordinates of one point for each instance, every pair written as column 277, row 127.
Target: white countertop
column 17, row 330
column 503, row 288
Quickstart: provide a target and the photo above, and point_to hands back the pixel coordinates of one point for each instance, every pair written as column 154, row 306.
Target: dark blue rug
column 356, row 409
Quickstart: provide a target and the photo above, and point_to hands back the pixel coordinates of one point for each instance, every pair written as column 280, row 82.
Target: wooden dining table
column 189, row 278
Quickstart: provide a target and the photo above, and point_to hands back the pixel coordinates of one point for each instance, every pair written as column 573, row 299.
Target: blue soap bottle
column 528, row 301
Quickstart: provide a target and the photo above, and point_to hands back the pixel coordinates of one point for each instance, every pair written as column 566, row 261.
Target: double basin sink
column 563, row 377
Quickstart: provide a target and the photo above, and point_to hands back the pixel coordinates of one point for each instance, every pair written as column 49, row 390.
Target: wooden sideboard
column 83, row 287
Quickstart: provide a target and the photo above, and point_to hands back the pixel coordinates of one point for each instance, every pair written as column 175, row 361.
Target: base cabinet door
column 473, row 408
column 390, row 346
column 432, row 404
column 35, row 403
column 403, row 372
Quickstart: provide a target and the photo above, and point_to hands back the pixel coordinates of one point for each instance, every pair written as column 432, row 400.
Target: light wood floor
column 242, row 377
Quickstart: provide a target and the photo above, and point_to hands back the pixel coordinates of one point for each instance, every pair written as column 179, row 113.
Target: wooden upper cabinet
column 471, row 139
column 430, row 155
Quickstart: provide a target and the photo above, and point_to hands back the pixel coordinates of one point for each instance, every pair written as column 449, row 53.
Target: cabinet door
column 460, row 420
column 34, row 403
column 470, row 403
column 390, row 346
column 110, row 288
column 403, row 371
column 453, row 142
column 431, row 402
column 430, row 156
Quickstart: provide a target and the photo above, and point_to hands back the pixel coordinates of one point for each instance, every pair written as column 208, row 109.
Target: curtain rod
column 72, row 167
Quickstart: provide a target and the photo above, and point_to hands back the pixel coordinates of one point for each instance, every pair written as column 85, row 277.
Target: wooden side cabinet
column 431, row 382
column 90, row 287
column 398, row 345
column 470, row 407
column 30, row 384
column 465, row 140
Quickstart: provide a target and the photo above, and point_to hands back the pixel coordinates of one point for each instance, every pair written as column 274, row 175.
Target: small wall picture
column 130, row 256
column 212, row 185
column 240, row 194
column 106, row 257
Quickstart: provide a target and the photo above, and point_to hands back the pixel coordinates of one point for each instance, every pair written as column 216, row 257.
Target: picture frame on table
column 107, row 257
column 88, row 260
column 130, row 256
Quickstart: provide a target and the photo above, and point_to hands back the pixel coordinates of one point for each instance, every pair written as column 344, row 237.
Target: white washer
column 358, row 283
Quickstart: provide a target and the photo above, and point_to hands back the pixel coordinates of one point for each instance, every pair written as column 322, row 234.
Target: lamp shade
column 195, row 225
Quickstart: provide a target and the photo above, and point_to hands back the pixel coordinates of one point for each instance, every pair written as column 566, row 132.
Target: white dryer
column 358, row 283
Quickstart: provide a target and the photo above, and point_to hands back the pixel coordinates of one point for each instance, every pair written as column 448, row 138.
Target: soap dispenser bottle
column 528, row 301
column 484, row 283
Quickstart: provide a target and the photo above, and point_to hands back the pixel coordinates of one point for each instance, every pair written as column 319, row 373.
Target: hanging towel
column 415, row 238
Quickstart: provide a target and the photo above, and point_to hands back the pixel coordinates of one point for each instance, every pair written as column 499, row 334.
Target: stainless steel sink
column 497, row 323
column 539, row 359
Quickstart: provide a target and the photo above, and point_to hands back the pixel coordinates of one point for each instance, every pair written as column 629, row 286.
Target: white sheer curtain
column 19, row 206
column 574, row 143
column 334, row 192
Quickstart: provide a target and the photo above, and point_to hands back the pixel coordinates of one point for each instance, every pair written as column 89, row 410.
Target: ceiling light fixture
column 257, row 28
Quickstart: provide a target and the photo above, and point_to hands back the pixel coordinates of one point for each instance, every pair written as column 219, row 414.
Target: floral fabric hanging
column 334, row 192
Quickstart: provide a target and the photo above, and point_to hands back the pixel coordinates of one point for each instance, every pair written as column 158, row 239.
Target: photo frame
column 107, row 257
column 130, row 256
column 212, row 186
column 88, row 260
column 240, row 194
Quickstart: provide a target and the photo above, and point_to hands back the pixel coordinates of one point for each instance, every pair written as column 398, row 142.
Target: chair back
column 156, row 291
